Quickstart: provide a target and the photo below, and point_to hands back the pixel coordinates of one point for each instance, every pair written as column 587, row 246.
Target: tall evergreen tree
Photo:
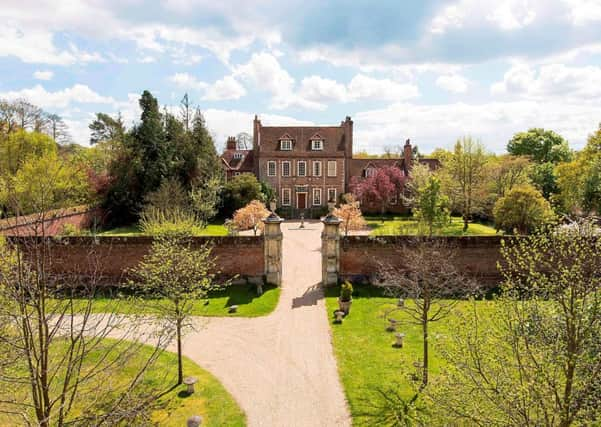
column 151, row 144
column 207, row 159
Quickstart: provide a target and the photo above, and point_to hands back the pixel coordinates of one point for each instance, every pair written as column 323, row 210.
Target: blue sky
column 431, row 71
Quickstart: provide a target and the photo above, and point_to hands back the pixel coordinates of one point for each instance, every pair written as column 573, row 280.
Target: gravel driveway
column 280, row 368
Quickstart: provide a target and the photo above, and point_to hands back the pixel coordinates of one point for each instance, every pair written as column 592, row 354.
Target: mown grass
column 245, row 297
column 367, row 359
column 211, row 400
column 399, row 225
column 213, row 229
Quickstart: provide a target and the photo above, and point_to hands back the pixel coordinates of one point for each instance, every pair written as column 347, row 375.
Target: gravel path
column 280, row 368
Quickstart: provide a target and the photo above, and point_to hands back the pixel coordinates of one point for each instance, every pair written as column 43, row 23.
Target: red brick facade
column 306, row 165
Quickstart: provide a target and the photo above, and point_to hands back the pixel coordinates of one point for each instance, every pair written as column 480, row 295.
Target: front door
column 301, row 200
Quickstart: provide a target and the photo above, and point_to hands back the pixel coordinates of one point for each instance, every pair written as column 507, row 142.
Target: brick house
column 308, row 165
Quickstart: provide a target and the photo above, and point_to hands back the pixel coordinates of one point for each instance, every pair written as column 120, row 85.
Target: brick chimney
column 231, row 143
column 408, row 155
column 347, row 125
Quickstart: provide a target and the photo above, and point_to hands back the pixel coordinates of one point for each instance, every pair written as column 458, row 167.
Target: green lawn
column 367, row 359
column 211, row 400
column 245, row 297
column 399, row 225
column 214, row 229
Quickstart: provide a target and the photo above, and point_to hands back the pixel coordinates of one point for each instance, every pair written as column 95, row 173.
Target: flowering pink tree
column 378, row 189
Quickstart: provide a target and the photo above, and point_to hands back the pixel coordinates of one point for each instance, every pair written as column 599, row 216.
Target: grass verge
column 399, row 225
column 211, row 400
column 367, row 359
column 245, row 297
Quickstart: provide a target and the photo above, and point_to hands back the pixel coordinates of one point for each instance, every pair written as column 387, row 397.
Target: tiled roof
column 333, row 137
column 245, row 164
column 357, row 166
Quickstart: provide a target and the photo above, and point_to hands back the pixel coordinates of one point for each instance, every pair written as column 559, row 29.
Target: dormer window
column 238, row 156
column 286, row 145
column 317, row 144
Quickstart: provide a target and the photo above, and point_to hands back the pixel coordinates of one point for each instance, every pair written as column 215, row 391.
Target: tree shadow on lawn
column 239, row 294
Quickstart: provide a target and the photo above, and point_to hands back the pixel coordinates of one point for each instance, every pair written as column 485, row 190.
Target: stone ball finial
column 194, row 421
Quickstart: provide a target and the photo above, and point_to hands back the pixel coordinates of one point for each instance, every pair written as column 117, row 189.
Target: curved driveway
column 280, row 368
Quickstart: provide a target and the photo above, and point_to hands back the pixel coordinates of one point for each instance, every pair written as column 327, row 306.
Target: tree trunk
column 465, row 221
column 425, row 367
column 180, row 369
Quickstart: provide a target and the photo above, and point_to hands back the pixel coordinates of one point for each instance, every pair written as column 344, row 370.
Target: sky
column 428, row 70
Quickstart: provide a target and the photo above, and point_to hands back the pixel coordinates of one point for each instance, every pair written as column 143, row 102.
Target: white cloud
column 319, row 89
column 512, row 15
column 37, row 46
column 506, row 15
column 39, row 96
column 223, row 89
column 551, row 80
column 450, row 17
column 453, row 83
column 43, row 75
column 432, row 126
column 584, row 11
column 365, row 87
column 265, row 72
column 187, row 81
column 226, row 88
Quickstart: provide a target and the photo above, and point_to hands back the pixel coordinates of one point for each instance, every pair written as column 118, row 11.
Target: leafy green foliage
column 543, row 146
column 534, row 358
column 346, row 291
column 523, row 209
column 544, row 178
column 431, row 209
column 180, row 273
column 239, row 192
column 466, row 170
column 46, row 183
column 21, row 146
column 205, row 199
column 161, row 147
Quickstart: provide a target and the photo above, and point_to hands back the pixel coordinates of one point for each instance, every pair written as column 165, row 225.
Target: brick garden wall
column 80, row 217
column 110, row 258
column 476, row 256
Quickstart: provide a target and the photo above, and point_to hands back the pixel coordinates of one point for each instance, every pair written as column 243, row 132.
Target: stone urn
column 344, row 305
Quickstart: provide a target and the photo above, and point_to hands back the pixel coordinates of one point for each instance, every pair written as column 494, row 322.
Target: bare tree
column 533, row 358
column 180, row 273
column 57, row 129
column 57, row 363
column 244, row 141
column 427, row 274
column 186, row 112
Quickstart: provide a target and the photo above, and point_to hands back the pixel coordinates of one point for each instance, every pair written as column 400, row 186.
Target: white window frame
column 315, row 192
column 288, row 192
column 370, row 171
column 298, row 163
column 317, row 144
column 317, row 163
column 332, row 172
column 286, row 145
column 284, row 163
column 275, row 168
column 238, row 156
column 330, row 190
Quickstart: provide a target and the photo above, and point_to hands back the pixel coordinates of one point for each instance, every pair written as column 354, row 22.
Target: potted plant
column 346, row 297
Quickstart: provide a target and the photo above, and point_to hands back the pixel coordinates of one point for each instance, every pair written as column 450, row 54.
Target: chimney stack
column 231, row 144
column 408, row 155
